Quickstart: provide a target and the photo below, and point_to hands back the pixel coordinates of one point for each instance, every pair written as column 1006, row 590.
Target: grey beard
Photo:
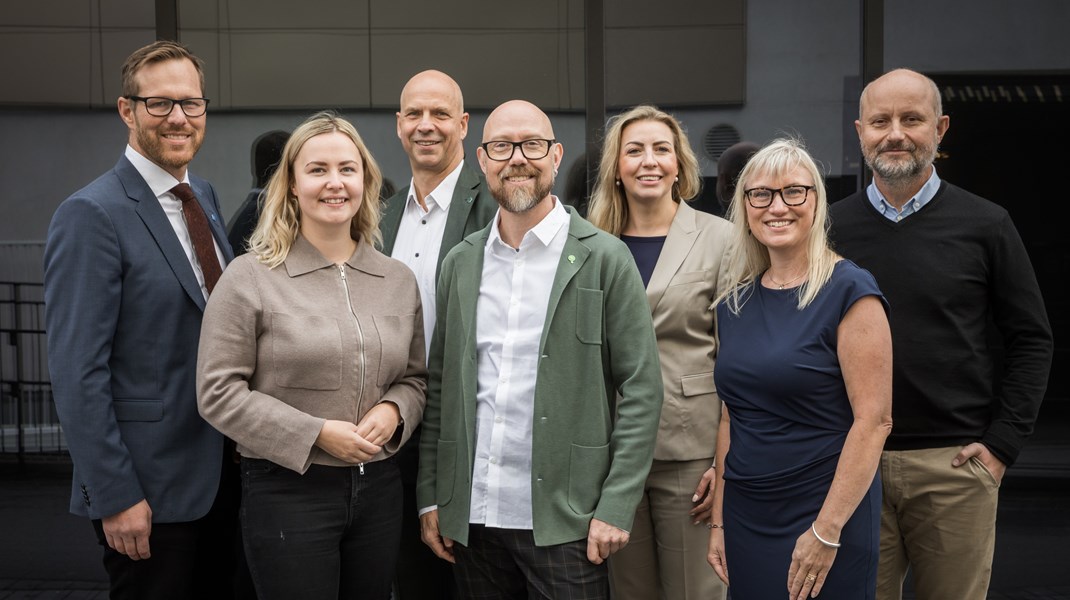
column 520, row 201
column 896, row 171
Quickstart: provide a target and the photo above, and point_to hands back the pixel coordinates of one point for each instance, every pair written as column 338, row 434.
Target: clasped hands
column 360, row 442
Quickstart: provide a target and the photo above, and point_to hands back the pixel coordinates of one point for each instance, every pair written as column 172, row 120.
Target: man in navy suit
column 124, row 295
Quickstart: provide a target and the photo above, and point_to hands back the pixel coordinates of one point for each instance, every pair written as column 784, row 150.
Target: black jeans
column 330, row 533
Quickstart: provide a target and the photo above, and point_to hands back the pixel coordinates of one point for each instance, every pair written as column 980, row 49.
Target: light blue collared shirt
column 924, row 195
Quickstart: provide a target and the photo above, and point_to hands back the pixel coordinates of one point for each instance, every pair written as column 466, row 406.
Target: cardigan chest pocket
column 395, row 339
column 589, row 315
column 306, row 351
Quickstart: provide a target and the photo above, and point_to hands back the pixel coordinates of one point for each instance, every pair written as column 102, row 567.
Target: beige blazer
column 680, row 291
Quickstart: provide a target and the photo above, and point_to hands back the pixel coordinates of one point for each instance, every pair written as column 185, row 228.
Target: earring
column 677, row 179
column 618, row 182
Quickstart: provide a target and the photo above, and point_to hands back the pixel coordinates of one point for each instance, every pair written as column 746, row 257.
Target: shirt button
column 493, row 460
column 423, row 221
column 497, row 419
column 417, row 255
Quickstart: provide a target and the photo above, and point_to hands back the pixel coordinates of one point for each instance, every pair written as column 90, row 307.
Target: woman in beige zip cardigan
column 312, row 359
column 647, row 172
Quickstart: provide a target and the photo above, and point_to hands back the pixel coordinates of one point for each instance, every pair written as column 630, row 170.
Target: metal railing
column 28, row 420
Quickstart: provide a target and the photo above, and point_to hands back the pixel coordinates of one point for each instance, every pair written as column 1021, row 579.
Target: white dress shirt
column 514, row 294
column 161, row 182
column 419, row 240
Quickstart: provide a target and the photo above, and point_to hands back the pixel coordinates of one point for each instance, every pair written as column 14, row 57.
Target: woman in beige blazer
column 312, row 359
column 647, row 173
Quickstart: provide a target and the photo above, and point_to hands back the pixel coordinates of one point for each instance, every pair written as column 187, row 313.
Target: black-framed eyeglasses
column 503, row 150
column 792, row 195
column 159, row 106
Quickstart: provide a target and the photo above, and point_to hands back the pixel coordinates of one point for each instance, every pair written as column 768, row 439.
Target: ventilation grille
column 718, row 139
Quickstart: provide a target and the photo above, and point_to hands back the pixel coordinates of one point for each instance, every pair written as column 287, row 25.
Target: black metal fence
column 28, row 420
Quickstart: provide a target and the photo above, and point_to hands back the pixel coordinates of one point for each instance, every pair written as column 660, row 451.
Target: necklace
column 786, row 283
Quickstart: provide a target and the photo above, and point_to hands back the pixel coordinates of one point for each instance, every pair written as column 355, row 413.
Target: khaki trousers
column 938, row 520
column 666, row 553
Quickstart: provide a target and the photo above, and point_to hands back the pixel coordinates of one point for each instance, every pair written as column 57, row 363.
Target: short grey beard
column 520, row 201
column 896, row 172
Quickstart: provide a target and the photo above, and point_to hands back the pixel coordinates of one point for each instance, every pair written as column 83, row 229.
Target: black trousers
column 420, row 574
column 196, row 559
column 505, row 564
column 331, row 533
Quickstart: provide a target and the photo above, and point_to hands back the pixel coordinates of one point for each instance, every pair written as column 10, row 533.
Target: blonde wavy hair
column 608, row 208
column 280, row 217
column 750, row 257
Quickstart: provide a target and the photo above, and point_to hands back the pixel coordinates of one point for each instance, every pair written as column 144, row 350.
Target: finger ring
column 811, row 577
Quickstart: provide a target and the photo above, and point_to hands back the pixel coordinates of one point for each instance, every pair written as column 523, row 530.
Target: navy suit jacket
column 123, row 316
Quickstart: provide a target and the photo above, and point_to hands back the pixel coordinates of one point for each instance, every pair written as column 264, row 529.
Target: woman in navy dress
column 804, row 372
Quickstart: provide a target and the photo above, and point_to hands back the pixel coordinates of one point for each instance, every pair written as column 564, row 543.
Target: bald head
column 900, row 80
column 431, row 126
column 517, row 120
column 434, row 82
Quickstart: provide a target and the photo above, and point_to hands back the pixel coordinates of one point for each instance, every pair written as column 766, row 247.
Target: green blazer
column 598, row 356
column 471, row 209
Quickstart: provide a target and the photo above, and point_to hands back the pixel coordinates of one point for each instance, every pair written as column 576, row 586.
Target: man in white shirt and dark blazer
column 124, row 295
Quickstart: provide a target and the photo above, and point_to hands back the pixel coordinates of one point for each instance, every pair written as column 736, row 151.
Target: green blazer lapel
column 678, row 243
column 464, row 197
column 574, row 254
column 391, row 220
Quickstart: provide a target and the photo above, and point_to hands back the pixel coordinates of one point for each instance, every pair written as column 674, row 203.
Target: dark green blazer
column 598, row 354
column 471, row 209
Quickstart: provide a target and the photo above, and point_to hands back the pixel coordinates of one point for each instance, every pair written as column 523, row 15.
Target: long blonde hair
column 280, row 218
column 750, row 257
column 608, row 209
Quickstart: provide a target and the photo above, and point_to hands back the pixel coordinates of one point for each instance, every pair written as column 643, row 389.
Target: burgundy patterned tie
column 200, row 233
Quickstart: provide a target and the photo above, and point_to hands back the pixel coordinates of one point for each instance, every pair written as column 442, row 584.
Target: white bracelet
column 821, row 539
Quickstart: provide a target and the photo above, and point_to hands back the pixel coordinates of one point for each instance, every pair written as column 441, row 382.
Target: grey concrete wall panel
column 327, row 68
column 46, row 66
column 488, row 77
column 705, row 66
column 669, row 13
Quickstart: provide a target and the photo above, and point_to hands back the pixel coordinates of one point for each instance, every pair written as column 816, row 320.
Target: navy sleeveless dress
column 778, row 373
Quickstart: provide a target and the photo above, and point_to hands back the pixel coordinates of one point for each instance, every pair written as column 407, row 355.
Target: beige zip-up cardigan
column 284, row 349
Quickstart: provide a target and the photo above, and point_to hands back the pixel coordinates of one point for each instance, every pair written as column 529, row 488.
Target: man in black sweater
column 952, row 266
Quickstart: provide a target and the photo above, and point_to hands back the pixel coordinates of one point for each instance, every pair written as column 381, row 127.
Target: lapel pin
column 571, row 258
column 468, row 200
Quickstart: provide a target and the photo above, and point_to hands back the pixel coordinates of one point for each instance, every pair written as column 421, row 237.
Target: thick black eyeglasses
column 503, row 150
column 792, row 195
column 158, row 106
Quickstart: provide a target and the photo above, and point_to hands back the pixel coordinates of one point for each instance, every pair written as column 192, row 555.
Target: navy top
column 646, row 251
column 779, row 374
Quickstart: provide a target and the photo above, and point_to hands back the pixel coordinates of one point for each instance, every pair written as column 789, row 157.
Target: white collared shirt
column 419, row 240
column 161, row 182
column 514, row 294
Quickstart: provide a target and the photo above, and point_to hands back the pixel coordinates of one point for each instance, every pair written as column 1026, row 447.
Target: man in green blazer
column 543, row 404
column 446, row 200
